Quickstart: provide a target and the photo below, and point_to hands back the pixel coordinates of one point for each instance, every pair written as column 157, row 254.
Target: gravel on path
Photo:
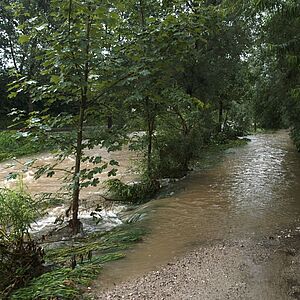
column 265, row 268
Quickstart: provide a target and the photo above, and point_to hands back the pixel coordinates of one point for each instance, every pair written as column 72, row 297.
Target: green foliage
column 222, row 142
column 74, row 72
column 135, row 193
column 66, row 283
column 12, row 144
column 296, row 136
column 21, row 258
column 166, row 69
column 175, row 151
column 277, row 64
column 17, row 212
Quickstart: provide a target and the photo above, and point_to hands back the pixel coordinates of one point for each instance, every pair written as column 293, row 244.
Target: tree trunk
column 142, row 14
column 12, row 52
column 109, row 122
column 75, row 222
column 150, row 129
column 29, row 104
column 220, row 115
column 149, row 110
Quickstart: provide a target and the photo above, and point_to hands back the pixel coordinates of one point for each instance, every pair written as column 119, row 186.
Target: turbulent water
column 50, row 185
column 250, row 190
column 56, row 187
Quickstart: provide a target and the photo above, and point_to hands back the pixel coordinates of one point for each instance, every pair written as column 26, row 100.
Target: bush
column 21, row 258
column 295, row 134
column 135, row 193
column 174, row 152
column 14, row 145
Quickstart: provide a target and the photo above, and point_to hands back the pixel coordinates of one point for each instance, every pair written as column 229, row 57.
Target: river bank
column 251, row 268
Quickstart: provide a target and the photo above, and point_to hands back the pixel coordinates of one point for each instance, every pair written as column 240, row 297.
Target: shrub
column 174, row 152
column 136, row 193
column 295, row 134
column 21, row 258
column 12, row 144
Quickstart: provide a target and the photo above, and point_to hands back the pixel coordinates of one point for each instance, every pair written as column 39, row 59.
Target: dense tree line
column 277, row 62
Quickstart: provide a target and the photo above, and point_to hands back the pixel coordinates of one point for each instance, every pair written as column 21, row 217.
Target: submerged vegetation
column 74, row 267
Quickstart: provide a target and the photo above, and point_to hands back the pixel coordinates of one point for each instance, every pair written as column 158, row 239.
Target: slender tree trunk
column 149, row 110
column 30, row 105
column 150, row 129
column 149, row 151
column 19, row 70
column 69, row 17
column 225, row 121
column 75, row 222
column 109, row 122
column 142, row 13
column 31, row 71
column 220, row 115
column 12, row 52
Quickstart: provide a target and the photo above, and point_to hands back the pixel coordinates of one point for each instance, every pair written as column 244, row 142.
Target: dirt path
column 267, row 268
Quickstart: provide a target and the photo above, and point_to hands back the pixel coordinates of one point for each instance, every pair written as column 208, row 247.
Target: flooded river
column 250, row 190
column 245, row 191
column 56, row 187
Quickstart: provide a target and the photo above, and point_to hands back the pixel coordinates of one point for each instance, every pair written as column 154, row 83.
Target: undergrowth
column 13, row 145
column 135, row 193
column 64, row 283
column 77, row 265
column 21, row 257
column 295, row 134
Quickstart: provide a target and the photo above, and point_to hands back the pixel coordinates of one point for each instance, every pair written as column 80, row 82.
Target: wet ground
column 251, row 268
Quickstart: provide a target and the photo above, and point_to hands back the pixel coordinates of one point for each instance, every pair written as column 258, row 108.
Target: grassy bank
column 13, row 145
column 66, row 280
column 217, row 146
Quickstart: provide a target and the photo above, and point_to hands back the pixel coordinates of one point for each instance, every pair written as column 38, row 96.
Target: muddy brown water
column 126, row 171
column 245, row 191
column 56, row 187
